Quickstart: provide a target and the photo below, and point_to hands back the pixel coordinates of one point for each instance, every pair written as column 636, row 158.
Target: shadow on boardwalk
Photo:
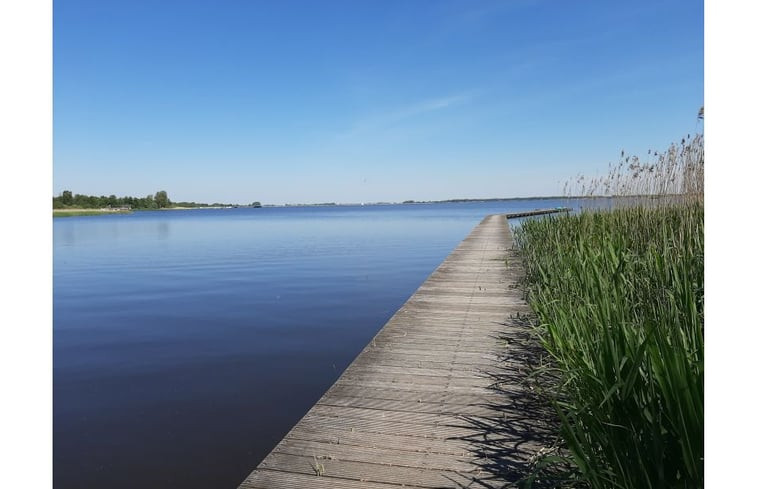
column 507, row 446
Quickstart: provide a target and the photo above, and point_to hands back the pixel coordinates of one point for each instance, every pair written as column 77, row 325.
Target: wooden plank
column 371, row 472
column 422, row 404
column 436, row 396
column 443, row 373
column 392, row 441
column 421, row 389
column 388, row 427
column 413, row 418
column 375, row 455
column 428, row 362
column 413, row 406
column 274, row 479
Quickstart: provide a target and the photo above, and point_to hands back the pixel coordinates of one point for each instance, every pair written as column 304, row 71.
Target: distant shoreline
column 87, row 212
column 101, row 212
column 98, row 212
column 448, row 201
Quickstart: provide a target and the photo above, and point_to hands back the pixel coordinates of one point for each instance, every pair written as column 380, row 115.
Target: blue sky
column 285, row 102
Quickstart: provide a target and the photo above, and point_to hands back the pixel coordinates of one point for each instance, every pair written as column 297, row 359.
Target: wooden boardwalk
column 438, row 398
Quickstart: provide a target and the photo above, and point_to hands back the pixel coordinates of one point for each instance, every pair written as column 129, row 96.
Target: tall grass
column 620, row 297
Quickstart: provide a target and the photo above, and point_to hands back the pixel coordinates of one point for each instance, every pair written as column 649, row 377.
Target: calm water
column 187, row 343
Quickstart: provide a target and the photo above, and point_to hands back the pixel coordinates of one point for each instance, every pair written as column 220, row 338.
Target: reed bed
column 620, row 297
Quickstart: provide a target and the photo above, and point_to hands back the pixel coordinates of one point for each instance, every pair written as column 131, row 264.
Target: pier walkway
column 439, row 397
column 539, row 212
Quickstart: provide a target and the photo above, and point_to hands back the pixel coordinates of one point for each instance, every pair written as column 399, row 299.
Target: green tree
column 66, row 198
column 161, row 199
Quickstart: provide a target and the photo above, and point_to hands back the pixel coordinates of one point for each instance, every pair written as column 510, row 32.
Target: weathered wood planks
column 437, row 398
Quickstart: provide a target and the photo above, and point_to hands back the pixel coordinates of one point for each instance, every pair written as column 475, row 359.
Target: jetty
column 538, row 212
column 440, row 397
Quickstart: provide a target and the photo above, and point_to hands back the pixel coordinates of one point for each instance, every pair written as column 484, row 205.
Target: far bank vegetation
column 68, row 201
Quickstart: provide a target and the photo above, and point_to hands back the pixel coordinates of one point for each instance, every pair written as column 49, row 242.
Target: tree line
column 67, row 199
column 160, row 200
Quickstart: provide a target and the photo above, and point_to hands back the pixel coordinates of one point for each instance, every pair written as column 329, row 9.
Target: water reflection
column 164, row 230
column 183, row 364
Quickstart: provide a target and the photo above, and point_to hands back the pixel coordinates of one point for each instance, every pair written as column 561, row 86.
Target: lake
column 187, row 343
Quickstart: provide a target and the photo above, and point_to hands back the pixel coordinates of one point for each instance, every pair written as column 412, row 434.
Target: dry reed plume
column 672, row 176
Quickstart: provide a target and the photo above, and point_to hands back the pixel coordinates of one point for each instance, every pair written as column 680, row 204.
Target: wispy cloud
column 473, row 14
column 398, row 115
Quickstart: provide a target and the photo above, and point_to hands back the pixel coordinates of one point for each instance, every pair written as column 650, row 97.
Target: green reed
column 620, row 298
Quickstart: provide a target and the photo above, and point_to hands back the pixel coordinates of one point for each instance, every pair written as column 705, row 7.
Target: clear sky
column 358, row 101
